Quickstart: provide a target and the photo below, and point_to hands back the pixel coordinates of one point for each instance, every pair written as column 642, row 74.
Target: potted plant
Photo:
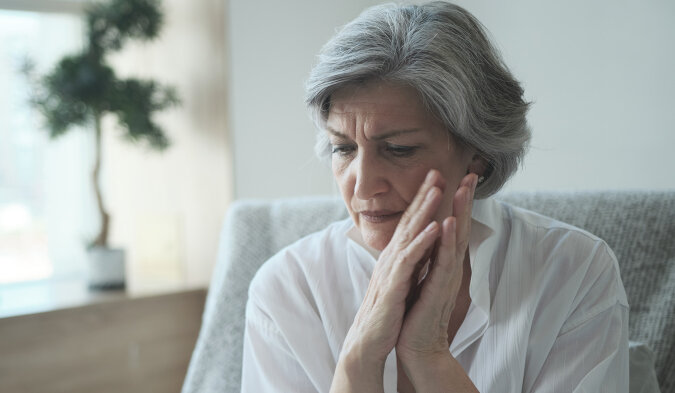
column 82, row 88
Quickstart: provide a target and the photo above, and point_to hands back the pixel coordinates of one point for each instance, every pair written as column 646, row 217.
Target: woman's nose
column 371, row 178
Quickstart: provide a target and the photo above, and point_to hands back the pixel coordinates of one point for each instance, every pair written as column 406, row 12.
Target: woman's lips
column 380, row 216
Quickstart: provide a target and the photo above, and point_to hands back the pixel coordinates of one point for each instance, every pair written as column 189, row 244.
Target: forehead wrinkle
column 346, row 121
column 367, row 121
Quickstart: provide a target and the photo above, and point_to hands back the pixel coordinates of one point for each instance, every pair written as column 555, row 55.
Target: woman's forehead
column 376, row 126
column 381, row 107
column 376, row 97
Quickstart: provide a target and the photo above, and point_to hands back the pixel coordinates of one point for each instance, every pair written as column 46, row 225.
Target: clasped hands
column 400, row 310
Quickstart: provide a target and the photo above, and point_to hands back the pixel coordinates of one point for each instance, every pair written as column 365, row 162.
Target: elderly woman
column 430, row 285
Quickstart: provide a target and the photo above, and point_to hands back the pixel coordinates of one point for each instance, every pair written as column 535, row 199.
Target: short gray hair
column 443, row 52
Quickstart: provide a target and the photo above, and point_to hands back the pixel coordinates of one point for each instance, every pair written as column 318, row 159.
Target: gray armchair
column 639, row 226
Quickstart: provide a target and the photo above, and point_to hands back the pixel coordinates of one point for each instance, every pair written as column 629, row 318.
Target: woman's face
column 384, row 142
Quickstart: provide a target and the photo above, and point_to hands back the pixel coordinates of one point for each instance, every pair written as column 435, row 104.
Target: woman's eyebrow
column 394, row 133
column 386, row 135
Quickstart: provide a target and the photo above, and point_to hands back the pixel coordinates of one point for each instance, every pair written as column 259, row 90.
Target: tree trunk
column 102, row 238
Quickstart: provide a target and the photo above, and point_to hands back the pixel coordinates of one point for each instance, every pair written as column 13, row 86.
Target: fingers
column 421, row 209
column 409, row 257
column 447, row 261
column 447, row 250
column 461, row 209
column 445, row 277
column 438, row 291
column 413, row 243
column 433, row 183
column 419, row 217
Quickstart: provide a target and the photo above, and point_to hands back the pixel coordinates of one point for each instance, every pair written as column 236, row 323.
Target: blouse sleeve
column 268, row 364
column 592, row 357
column 590, row 353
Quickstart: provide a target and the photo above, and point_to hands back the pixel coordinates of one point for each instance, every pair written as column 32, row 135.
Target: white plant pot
column 105, row 268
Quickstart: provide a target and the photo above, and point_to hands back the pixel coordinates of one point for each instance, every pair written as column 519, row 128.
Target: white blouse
column 548, row 310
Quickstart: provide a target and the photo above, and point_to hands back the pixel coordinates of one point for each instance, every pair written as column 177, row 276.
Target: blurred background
column 599, row 74
column 166, row 207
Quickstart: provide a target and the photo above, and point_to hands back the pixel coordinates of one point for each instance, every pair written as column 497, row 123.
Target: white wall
column 273, row 45
column 599, row 74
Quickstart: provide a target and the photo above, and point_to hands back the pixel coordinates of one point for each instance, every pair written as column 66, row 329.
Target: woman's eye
column 401, row 151
column 342, row 150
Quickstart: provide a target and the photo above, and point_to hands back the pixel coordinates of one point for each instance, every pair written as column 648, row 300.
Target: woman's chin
column 377, row 238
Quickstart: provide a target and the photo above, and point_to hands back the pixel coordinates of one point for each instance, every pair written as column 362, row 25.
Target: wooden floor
column 127, row 345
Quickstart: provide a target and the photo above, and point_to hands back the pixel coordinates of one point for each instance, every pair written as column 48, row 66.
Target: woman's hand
column 377, row 324
column 424, row 333
column 383, row 320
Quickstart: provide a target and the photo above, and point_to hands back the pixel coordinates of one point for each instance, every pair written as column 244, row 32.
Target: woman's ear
column 478, row 165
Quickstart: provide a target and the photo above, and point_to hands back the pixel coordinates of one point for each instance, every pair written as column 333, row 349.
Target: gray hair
column 443, row 52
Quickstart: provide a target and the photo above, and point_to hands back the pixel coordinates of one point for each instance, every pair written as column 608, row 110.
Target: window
column 43, row 183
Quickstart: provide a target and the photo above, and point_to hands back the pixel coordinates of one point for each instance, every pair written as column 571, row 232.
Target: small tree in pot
column 82, row 88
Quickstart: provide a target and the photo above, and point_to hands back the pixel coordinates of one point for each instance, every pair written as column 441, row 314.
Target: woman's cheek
column 339, row 169
column 414, row 177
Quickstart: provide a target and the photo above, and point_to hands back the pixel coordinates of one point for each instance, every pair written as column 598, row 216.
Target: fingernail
column 430, row 175
column 430, row 227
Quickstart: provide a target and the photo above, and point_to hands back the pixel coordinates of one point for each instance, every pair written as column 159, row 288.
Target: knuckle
column 407, row 257
column 405, row 237
column 462, row 244
column 448, row 267
column 402, row 256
